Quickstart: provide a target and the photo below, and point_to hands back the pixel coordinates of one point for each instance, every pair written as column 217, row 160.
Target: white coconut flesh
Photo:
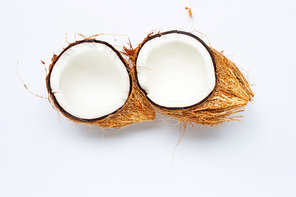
column 89, row 80
column 175, row 70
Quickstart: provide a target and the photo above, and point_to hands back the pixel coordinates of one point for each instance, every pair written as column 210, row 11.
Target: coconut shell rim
column 159, row 34
column 57, row 58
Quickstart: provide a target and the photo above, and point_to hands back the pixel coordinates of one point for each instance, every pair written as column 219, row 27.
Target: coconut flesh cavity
column 175, row 69
column 89, row 80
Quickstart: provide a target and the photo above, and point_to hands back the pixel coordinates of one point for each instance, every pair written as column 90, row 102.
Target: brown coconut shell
column 136, row 108
column 231, row 94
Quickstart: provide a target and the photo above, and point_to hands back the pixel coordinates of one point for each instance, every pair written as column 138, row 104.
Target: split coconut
column 91, row 83
column 187, row 80
column 174, row 73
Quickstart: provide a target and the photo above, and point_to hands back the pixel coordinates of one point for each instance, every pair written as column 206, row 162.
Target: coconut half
column 89, row 80
column 175, row 69
column 187, row 80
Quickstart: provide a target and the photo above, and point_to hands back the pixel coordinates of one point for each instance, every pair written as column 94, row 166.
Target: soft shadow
column 198, row 133
column 99, row 132
column 193, row 132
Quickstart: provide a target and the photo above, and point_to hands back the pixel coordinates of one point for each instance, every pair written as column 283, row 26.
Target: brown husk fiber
column 136, row 109
column 231, row 93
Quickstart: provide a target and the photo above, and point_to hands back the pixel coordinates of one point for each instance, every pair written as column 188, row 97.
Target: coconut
column 187, row 80
column 90, row 83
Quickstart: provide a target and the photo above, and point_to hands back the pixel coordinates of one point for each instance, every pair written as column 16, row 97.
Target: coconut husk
column 231, row 93
column 136, row 109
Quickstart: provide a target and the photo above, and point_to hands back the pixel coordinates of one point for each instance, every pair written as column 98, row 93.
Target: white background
column 43, row 155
